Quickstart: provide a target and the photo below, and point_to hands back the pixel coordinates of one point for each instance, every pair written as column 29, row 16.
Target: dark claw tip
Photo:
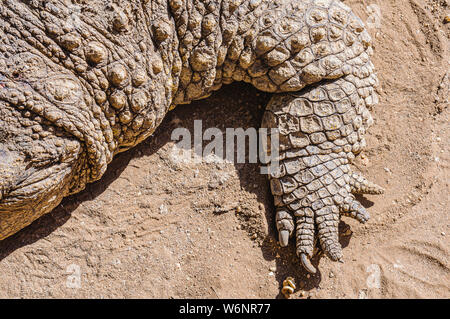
column 307, row 263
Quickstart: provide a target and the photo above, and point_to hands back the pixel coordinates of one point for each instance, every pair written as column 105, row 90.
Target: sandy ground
column 155, row 228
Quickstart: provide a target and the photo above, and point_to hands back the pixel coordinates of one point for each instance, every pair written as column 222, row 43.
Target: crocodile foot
column 313, row 183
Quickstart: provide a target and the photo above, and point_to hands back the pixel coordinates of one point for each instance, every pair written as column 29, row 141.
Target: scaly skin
column 84, row 80
column 321, row 129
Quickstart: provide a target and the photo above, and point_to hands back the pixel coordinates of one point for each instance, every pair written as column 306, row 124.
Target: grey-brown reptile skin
column 81, row 81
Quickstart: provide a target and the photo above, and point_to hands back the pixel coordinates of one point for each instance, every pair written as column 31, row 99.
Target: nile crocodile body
column 81, row 81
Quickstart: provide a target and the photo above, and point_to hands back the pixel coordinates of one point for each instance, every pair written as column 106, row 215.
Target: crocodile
column 81, row 81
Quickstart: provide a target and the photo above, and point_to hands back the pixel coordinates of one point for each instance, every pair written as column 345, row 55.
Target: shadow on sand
column 217, row 111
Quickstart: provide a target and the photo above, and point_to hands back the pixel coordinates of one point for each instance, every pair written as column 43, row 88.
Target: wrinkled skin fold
column 82, row 81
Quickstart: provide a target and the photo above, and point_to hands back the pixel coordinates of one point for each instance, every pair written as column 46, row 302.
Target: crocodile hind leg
column 321, row 129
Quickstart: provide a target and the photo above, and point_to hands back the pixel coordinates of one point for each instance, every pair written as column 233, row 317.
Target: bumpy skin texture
column 81, row 81
column 321, row 129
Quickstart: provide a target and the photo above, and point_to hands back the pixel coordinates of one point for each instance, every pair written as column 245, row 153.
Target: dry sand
column 154, row 228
